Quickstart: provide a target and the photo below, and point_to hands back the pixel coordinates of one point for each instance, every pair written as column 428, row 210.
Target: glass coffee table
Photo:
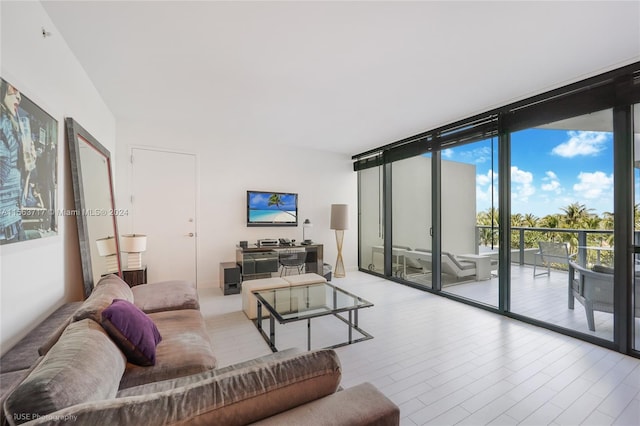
column 305, row 302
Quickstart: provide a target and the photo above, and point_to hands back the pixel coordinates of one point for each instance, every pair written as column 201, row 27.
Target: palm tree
column 530, row 220
column 517, row 219
column 490, row 219
column 550, row 221
column 276, row 200
column 575, row 215
column 607, row 223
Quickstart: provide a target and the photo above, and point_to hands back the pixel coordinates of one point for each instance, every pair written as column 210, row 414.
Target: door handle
column 190, row 234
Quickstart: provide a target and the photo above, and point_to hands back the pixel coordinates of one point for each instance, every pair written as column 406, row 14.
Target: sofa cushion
column 304, row 279
column 363, row 404
column 165, row 296
column 108, row 288
column 133, row 331
column 238, row 397
column 84, row 365
column 64, row 314
column 185, row 349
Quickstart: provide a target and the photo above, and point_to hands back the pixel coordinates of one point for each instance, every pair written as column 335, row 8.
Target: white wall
column 38, row 276
column 458, row 207
column 227, row 170
column 411, row 207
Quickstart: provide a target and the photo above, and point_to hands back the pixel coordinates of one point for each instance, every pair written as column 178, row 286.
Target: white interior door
column 164, row 208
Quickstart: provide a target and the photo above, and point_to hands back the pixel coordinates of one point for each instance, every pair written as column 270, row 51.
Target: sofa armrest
column 237, row 397
column 165, row 385
column 360, row 405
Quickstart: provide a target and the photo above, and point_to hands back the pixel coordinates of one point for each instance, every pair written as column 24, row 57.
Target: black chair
column 292, row 260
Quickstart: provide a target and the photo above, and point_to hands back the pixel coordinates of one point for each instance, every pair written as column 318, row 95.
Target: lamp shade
column 106, row 246
column 339, row 216
column 133, row 243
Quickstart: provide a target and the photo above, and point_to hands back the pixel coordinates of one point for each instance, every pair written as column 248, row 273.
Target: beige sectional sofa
column 84, row 378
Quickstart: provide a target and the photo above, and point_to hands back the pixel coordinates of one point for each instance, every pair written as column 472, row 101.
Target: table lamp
column 107, row 249
column 133, row 245
column 339, row 222
column 305, row 225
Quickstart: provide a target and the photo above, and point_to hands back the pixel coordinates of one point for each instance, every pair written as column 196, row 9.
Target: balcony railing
column 590, row 246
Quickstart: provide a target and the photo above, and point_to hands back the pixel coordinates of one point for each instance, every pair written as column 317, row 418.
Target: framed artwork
column 28, row 168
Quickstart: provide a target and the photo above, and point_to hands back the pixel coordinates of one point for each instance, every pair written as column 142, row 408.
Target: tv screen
column 272, row 208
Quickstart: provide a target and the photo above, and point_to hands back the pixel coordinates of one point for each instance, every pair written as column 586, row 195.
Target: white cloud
column 521, row 176
column 474, row 156
column 447, row 153
column 486, row 179
column 483, row 189
column 594, row 185
column 551, row 183
column 582, row 143
column 521, row 184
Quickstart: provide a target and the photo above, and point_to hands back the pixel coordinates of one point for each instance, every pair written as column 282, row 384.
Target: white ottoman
column 304, row 279
column 249, row 301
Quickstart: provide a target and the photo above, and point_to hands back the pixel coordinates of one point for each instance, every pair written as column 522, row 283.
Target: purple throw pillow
column 132, row 330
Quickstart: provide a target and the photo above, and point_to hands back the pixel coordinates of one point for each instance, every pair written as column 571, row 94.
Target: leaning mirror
column 95, row 205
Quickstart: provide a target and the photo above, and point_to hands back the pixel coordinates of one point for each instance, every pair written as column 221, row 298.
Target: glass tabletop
column 308, row 301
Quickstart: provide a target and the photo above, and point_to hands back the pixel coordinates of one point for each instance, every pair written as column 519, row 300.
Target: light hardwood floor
column 447, row 363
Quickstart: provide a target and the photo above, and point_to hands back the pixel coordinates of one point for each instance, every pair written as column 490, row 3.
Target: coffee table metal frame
column 351, row 321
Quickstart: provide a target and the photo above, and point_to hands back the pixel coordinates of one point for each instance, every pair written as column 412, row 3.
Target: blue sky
column 260, row 200
column 550, row 169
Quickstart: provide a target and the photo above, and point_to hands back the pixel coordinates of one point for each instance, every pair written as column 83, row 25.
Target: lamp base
column 134, row 260
column 112, row 263
column 339, row 271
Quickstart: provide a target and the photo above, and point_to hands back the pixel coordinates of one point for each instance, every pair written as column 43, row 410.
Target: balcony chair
column 551, row 252
column 292, row 260
column 594, row 290
column 451, row 265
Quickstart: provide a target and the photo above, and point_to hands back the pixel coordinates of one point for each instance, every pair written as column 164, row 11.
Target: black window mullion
column 623, row 227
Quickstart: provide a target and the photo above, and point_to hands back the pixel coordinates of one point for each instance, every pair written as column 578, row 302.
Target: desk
column 261, row 262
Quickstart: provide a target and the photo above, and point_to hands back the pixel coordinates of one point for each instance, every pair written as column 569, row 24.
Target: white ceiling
column 338, row 76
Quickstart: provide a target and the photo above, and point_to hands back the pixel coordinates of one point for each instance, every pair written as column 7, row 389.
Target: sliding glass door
column 567, row 199
column 635, row 308
column 371, row 219
column 469, row 221
column 411, row 218
column 562, row 223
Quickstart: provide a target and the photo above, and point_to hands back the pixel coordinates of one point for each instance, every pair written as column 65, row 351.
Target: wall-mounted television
column 272, row 208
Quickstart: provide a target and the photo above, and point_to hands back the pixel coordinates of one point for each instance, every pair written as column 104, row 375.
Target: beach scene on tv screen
column 272, row 208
